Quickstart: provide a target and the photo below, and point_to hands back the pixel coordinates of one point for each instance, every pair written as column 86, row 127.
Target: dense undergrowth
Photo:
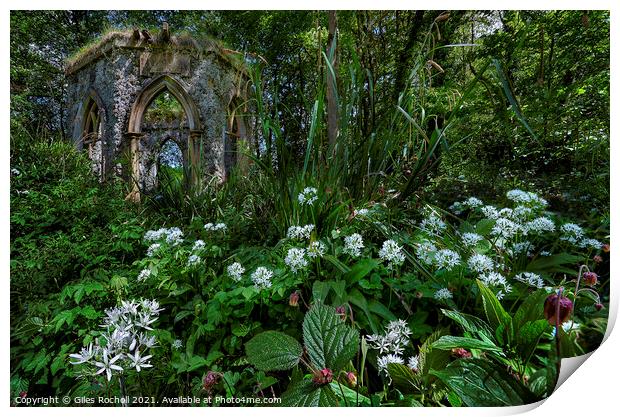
column 417, row 260
column 430, row 293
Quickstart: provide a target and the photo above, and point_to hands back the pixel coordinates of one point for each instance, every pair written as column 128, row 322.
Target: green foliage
column 329, row 342
column 479, row 383
column 270, row 351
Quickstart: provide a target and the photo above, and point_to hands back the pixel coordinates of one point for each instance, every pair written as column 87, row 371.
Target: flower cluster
column 173, row 236
column 391, row 345
column 471, row 239
column 531, row 279
column 193, row 260
column 316, row 249
column 261, row 278
column 446, row 259
column 442, row 294
column 425, row 251
column 198, row 245
column 126, row 337
column 526, row 197
column 300, row 232
column 432, row 224
column 235, row 271
column 505, row 228
column 495, row 279
column 144, row 274
column 296, row 259
column 392, row 253
column 480, row 263
column 308, row 196
column 540, row 225
column 210, row 227
column 353, row 245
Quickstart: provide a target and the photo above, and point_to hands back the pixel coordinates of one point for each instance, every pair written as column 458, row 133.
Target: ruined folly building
column 113, row 84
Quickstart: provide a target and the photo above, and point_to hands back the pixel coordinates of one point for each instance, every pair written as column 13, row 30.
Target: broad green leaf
column 481, row 383
column 531, row 309
column 306, row 393
column 528, row 336
column 495, row 313
column 357, row 299
column 432, row 358
column 470, row 324
column 484, row 226
column 349, row 396
column 320, row 290
column 360, row 270
column 555, row 263
column 381, row 310
column 403, row 377
column 451, row 342
column 329, row 341
column 271, row 350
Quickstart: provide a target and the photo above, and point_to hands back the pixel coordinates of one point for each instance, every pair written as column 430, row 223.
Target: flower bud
column 590, row 278
column 598, row 259
column 293, row 300
column 323, row 377
column 606, row 248
column 342, row 312
column 351, row 379
column 551, row 307
column 461, row 353
column 599, row 306
column 210, row 380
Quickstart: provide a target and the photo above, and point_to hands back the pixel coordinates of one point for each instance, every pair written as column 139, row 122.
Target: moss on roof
column 115, row 38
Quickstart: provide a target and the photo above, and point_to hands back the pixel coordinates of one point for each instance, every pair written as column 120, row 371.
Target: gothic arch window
column 90, row 139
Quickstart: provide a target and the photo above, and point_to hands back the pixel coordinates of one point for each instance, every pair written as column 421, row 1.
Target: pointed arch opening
column 91, row 132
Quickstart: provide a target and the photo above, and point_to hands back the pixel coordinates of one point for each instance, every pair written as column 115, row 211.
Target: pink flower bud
column 210, row 380
column 293, row 300
column 590, row 278
column 351, row 379
column 461, row 353
column 323, row 377
column 598, row 259
column 599, row 306
column 551, row 308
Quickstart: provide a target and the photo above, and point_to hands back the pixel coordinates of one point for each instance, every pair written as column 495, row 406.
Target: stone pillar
column 134, row 140
column 194, row 158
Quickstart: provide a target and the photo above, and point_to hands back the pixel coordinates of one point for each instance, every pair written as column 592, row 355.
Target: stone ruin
column 113, row 82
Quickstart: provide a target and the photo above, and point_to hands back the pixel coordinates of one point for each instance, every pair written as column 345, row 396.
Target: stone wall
column 125, row 74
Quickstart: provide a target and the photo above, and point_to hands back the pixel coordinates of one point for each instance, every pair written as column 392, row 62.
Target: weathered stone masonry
column 112, row 84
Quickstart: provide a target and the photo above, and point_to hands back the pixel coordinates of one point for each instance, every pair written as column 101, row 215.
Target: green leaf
column 360, row 270
column 495, row 313
column 528, row 336
column 471, row 324
column 381, row 310
column 480, row 383
column 531, row 309
column 320, row 290
column 271, row 350
column 306, row 393
column 89, row 312
column 357, row 298
column 403, row 377
column 484, row 226
column 350, row 397
column 330, row 343
column 451, row 342
column 555, row 263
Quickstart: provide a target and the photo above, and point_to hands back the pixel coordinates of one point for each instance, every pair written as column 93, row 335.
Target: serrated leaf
column 330, row 343
column 271, row 350
column 306, row 393
column 480, row 383
column 451, row 342
column 403, row 377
